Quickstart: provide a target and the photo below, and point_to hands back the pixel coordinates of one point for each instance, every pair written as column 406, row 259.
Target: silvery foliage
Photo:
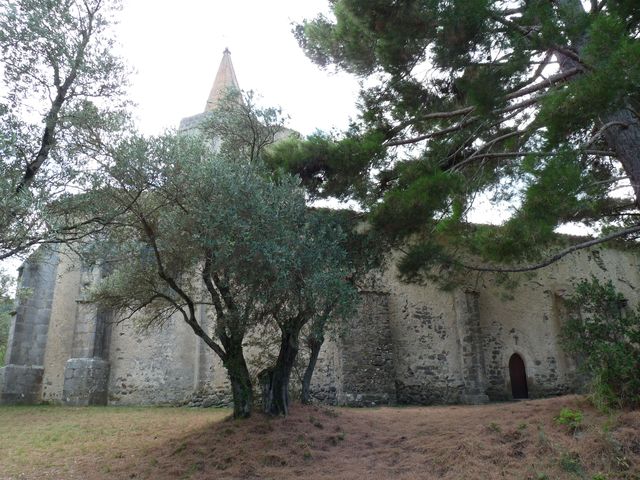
column 203, row 233
column 61, row 100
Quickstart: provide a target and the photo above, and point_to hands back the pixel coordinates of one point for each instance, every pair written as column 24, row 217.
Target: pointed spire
column 225, row 79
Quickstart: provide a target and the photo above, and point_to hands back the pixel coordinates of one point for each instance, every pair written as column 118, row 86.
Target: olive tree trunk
column 240, row 383
column 275, row 380
column 315, row 344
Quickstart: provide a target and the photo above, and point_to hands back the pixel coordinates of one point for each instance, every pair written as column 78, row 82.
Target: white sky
column 176, row 47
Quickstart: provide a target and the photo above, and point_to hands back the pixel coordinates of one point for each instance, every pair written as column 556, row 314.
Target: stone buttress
column 467, row 317
column 86, row 373
column 21, row 378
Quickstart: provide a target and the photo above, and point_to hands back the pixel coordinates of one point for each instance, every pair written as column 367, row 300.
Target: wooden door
column 518, row 375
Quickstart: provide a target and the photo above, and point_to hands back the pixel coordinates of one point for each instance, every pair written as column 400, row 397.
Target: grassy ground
column 513, row 440
column 47, row 442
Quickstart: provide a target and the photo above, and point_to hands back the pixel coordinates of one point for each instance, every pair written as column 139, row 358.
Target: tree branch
column 563, row 253
column 602, row 130
column 48, row 135
column 551, row 81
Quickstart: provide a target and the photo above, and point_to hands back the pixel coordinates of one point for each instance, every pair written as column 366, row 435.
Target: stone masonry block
column 20, row 384
column 86, row 382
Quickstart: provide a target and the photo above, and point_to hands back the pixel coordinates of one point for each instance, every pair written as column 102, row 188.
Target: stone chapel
column 408, row 344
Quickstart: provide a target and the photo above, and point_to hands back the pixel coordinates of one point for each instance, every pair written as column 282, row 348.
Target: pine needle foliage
column 530, row 104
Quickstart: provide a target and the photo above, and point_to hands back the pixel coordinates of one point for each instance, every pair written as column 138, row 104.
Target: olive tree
column 200, row 233
column 315, row 286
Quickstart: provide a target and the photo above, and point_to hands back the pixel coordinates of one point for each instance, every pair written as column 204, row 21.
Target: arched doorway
column 518, row 375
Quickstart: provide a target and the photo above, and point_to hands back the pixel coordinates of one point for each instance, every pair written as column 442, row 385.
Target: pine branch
column 602, row 130
column 563, row 253
column 548, row 83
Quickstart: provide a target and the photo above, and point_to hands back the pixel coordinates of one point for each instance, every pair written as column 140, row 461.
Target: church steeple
column 225, row 80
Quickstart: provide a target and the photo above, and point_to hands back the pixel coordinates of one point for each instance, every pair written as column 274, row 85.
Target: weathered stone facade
column 408, row 343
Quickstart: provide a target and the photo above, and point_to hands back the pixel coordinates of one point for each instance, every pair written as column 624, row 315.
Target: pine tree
column 533, row 101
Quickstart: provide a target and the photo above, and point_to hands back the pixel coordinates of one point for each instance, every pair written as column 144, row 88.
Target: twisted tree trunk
column 240, row 382
column 621, row 127
column 315, row 344
column 275, row 380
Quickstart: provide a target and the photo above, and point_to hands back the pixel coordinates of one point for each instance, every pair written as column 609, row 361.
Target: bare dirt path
column 510, row 440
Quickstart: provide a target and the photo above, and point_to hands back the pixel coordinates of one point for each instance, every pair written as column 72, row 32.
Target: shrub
column 570, row 463
column 570, row 418
column 6, row 305
column 5, row 321
column 605, row 336
column 494, row 427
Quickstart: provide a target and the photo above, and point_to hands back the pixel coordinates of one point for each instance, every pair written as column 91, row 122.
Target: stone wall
column 408, row 344
column 327, row 382
column 470, row 346
column 527, row 318
column 367, row 355
column 443, row 353
column 211, row 384
column 154, row 367
column 86, row 373
column 425, row 342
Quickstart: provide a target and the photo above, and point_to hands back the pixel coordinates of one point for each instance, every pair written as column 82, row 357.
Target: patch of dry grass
column 48, row 442
column 511, row 440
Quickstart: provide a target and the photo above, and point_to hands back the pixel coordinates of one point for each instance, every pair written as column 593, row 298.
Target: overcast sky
column 176, row 46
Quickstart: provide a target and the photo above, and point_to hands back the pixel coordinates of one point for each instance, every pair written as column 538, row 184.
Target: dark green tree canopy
column 534, row 102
